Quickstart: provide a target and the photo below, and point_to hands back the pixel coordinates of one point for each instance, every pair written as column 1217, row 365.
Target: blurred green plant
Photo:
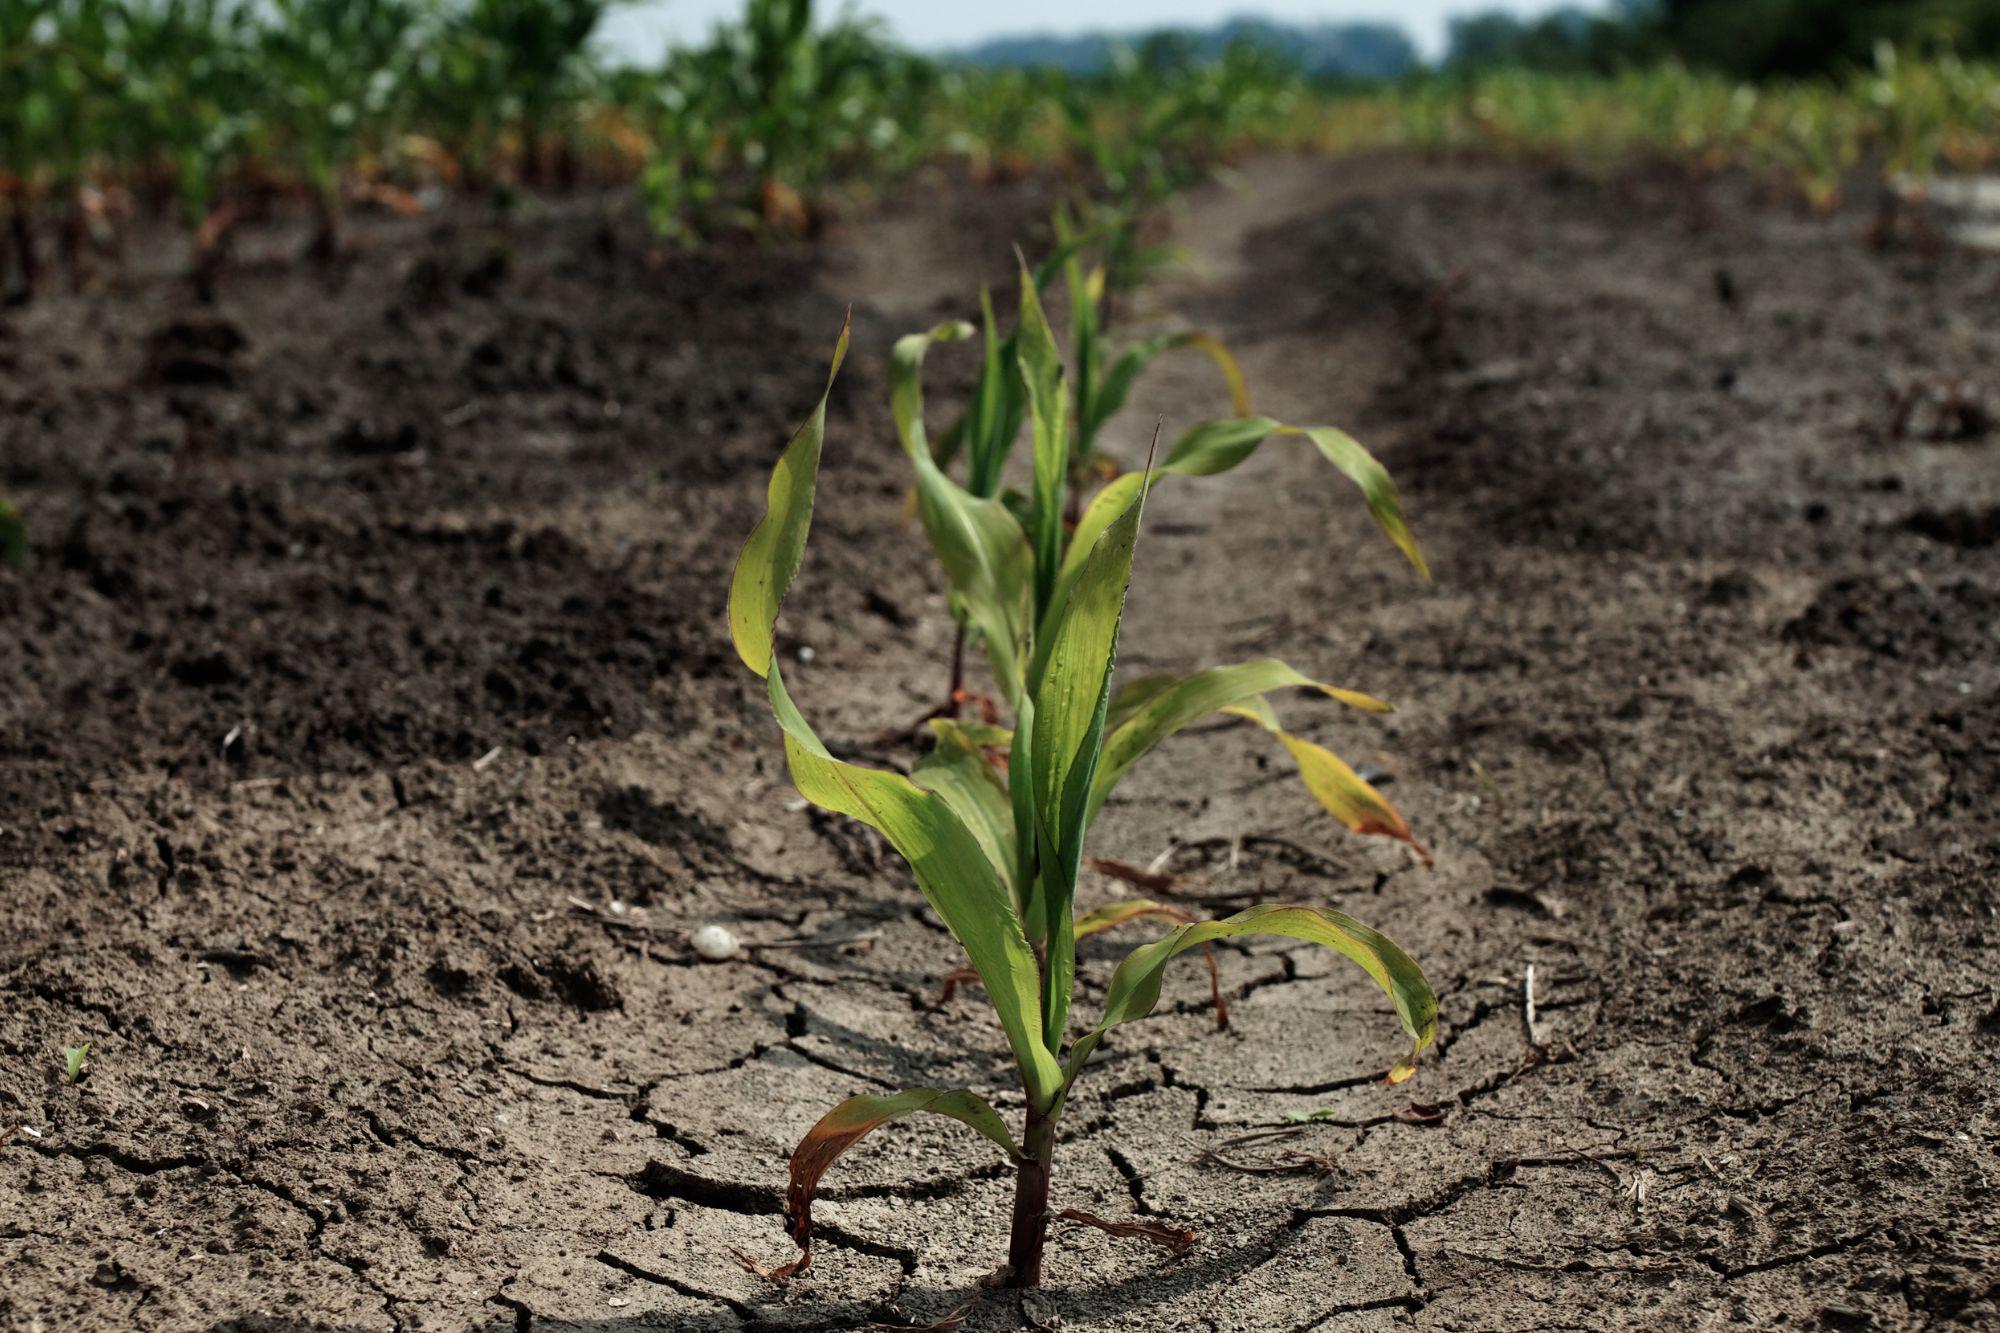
column 336, row 76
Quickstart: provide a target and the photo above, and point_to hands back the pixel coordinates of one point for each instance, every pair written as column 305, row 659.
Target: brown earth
column 371, row 745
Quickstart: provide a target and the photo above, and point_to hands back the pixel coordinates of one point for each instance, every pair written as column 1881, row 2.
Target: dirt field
column 370, row 743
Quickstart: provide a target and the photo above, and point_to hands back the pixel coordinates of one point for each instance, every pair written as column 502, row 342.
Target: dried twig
column 1168, row 1237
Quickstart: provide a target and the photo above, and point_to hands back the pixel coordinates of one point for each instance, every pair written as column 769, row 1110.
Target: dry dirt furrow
column 393, row 1017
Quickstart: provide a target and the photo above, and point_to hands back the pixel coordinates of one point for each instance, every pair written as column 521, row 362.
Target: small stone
column 715, row 943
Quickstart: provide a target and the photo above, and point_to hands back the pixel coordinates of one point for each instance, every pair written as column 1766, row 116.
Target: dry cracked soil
column 371, row 744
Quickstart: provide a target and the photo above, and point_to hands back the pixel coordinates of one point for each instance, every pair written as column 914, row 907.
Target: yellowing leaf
column 1171, row 703
column 1338, row 788
column 1135, row 986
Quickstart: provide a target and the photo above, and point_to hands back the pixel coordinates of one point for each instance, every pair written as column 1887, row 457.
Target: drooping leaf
column 1360, row 467
column 984, row 552
column 1135, row 694
column 851, row 1121
column 770, row 559
column 1339, row 789
column 1175, row 703
column 1135, row 986
column 1116, row 386
column 967, row 890
column 1217, row 446
column 1109, row 916
column 1210, row 447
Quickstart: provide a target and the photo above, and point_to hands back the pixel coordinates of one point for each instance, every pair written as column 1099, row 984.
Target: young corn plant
column 993, row 821
column 991, row 424
column 1023, row 377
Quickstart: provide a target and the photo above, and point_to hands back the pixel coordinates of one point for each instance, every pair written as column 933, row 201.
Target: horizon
column 642, row 32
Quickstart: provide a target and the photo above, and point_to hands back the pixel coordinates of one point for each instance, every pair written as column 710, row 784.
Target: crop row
column 216, row 109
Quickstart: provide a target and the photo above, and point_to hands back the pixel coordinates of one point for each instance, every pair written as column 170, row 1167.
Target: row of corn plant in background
column 211, row 108
column 1901, row 117
column 994, row 819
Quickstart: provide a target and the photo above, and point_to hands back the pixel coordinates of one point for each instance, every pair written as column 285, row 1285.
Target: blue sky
column 640, row 31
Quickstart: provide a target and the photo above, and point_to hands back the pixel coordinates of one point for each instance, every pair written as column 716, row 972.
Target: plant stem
column 1031, row 1202
column 951, row 698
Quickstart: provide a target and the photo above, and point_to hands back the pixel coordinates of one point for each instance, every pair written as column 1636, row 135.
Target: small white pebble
column 714, row 943
column 805, row 653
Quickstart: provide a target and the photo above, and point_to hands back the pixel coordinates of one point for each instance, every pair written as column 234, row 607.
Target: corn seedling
column 74, row 1060
column 993, row 821
column 1103, row 384
column 1023, row 376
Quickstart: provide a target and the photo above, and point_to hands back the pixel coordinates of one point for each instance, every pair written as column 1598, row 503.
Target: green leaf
column 1360, row 467
column 770, row 559
column 1084, row 298
column 1133, row 695
column 951, row 867
column 1104, row 509
column 1071, row 698
column 851, row 1121
column 1048, row 413
column 1217, row 446
column 967, row 890
column 74, row 1058
column 1171, row 703
column 958, row 770
column 1210, row 447
column 1135, row 986
column 984, row 552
